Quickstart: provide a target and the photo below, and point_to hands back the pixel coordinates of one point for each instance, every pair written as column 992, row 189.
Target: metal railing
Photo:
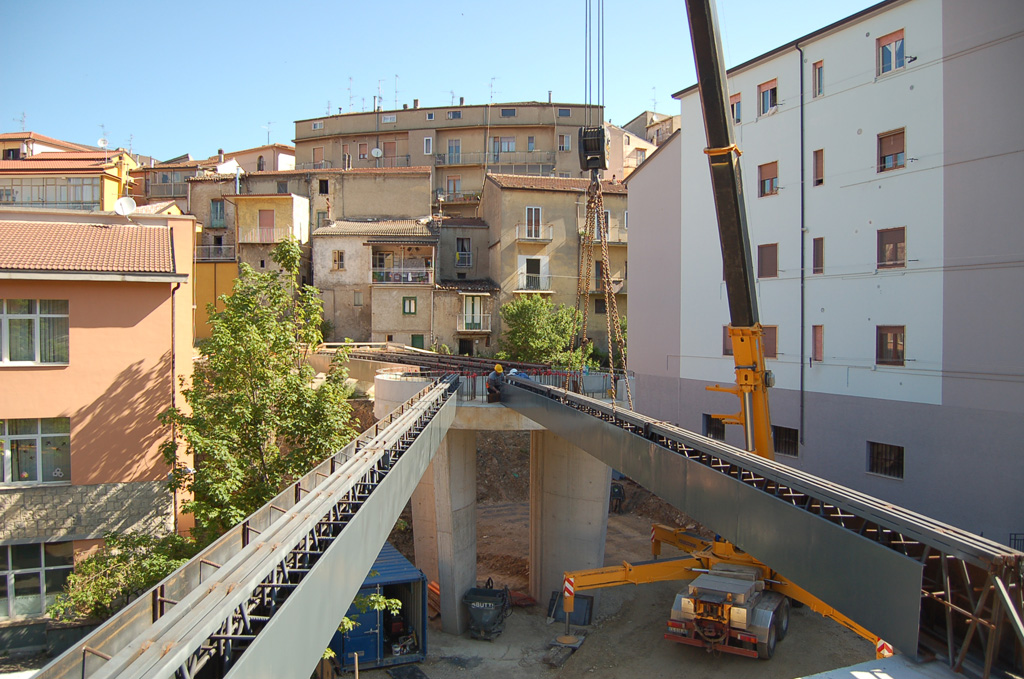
column 474, row 322
column 403, row 275
column 535, row 232
column 319, row 165
column 463, row 259
column 534, row 281
column 176, row 189
column 215, row 253
column 492, row 157
column 461, row 196
column 55, row 204
column 256, row 234
column 394, row 161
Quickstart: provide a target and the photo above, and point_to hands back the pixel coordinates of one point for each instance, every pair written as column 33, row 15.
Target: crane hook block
column 593, row 146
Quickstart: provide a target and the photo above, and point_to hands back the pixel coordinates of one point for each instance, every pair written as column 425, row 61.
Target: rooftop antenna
column 452, row 92
column 102, row 141
column 492, row 89
column 328, row 107
column 131, row 140
column 351, row 99
column 380, row 94
column 654, row 98
column 267, row 128
column 20, row 120
column 364, row 104
column 396, row 91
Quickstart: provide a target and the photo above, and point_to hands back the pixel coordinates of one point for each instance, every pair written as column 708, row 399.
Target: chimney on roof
column 549, row 96
column 462, row 101
column 405, row 106
column 415, row 103
column 220, row 154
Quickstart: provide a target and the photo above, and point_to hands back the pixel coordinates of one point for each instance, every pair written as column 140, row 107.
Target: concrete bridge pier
column 444, row 521
column 568, row 511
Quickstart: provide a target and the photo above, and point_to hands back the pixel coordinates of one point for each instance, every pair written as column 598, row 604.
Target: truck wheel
column 782, row 619
column 766, row 648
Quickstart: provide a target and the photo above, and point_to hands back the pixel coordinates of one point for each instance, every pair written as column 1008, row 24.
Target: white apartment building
column 882, row 162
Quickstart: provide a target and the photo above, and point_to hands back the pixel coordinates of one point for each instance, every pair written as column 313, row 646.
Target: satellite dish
column 124, row 206
column 102, row 143
column 376, row 152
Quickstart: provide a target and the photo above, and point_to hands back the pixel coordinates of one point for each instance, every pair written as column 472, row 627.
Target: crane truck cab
column 728, row 609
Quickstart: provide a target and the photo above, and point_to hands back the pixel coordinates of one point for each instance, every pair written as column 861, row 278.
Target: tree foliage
column 256, row 420
column 126, row 566
column 535, row 331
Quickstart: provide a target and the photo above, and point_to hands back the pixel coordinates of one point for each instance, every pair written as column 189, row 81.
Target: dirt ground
column 625, row 639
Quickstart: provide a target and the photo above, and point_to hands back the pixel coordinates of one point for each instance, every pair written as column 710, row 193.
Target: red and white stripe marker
column 568, row 588
column 883, row 649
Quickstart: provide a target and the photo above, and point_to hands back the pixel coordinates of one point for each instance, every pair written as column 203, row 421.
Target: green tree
column 535, row 331
column 256, row 420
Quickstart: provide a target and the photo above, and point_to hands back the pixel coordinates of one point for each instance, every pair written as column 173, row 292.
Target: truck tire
column 766, row 649
column 782, row 620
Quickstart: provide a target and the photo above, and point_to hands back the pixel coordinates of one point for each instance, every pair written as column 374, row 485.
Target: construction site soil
column 625, row 637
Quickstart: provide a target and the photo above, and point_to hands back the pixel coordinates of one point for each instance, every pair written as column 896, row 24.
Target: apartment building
column 18, row 145
column 881, row 156
column 626, row 151
column 460, row 143
column 96, row 327
column 534, row 243
column 653, row 127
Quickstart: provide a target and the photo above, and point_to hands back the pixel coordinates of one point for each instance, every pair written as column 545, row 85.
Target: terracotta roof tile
column 60, row 246
column 403, row 228
column 519, row 181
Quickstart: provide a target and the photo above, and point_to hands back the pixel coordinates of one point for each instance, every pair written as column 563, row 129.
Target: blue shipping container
column 380, row 639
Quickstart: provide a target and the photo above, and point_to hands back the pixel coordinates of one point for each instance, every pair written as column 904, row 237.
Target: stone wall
column 65, row 512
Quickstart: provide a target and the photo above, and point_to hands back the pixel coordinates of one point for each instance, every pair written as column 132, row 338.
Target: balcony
column 474, row 323
column 215, row 253
column 90, row 205
column 495, row 158
column 457, row 197
column 393, row 161
column 618, row 287
column 168, row 190
column 534, row 233
column 534, row 282
column 264, row 235
column 403, row 276
column 463, row 259
column 318, row 165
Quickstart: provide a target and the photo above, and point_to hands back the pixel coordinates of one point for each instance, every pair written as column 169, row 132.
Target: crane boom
column 745, row 331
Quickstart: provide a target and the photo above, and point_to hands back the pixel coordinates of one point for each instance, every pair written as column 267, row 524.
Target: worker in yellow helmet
column 494, row 384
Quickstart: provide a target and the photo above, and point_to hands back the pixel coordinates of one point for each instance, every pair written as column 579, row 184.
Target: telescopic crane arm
column 745, row 331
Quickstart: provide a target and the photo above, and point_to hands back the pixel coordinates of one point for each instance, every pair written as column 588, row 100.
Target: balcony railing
column 463, row 259
column 215, row 253
column 265, row 235
column 534, row 281
column 461, row 196
column 495, row 157
column 618, row 287
column 54, row 204
column 393, row 161
column 171, row 189
column 474, row 323
column 318, row 165
column 403, row 276
column 540, row 233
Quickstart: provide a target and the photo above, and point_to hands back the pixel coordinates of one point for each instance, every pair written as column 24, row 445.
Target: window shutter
column 892, row 144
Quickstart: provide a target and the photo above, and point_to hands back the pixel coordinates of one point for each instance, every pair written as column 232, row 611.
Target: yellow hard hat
column 497, row 368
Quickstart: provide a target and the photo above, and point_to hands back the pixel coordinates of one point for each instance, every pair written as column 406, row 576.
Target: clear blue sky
column 177, row 77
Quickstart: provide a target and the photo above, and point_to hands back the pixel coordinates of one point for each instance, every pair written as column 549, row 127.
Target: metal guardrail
column 90, row 205
column 473, row 323
column 318, row 165
column 534, row 281
column 463, row 259
column 542, row 233
column 495, row 157
column 215, row 253
column 403, row 275
column 168, row 190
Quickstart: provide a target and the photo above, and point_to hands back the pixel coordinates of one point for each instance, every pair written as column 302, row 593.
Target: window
column 389, row 338
column 564, row 142
column 430, row 116
column 598, row 273
column 388, row 118
column 892, row 248
column 819, row 167
column 508, row 113
column 771, row 341
column 408, row 306
column 34, row 331
column 531, row 143
column 818, row 256
column 502, row 145
column 891, row 151
column 261, row 164
column 605, row 226
column 625, row 220
column 428, row 145
column 726, row 341
column 768, row 179
column 454, row 151
column 454, row 115
column 714, row 428
column 885, row 459
column 768, row 261
column 463, row 252
column 890, row 52
column 282, row 187
column 735, row 109
column 324, row 187
column 818, row 79
column 344, row 149
column 357, row 298
column 12, row 154
column 564, row 113
column 318, row 124
column 36, row 450
column 453, row 184
column 768, row 97
column 363, row 150
column 533, row 215
column 786, row 440
column 641, row 155
column 31, row 576
column 889, row 344
column 600, row 306
column 818, row 343
column 321, row 219
column 217, row 213
column 338, row 260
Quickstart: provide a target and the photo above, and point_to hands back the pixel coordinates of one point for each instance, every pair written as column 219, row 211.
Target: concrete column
column 568, row 511
column 444, row 524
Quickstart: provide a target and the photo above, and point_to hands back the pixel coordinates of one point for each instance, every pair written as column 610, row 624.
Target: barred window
column 885, row 459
